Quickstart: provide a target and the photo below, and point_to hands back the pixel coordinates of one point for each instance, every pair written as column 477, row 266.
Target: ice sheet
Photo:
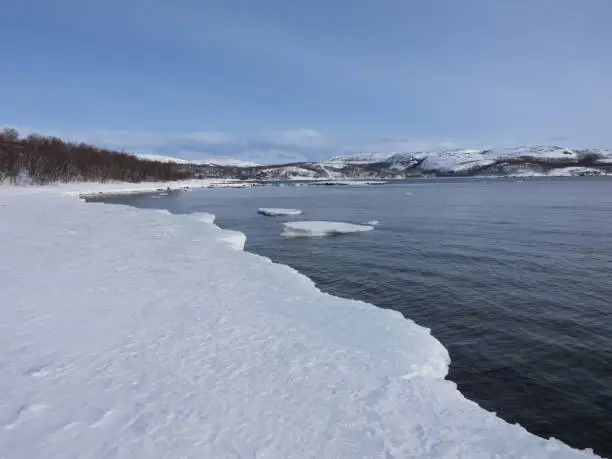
column 131, row 333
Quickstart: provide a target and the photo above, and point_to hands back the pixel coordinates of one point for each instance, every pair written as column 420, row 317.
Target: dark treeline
column 39, row 160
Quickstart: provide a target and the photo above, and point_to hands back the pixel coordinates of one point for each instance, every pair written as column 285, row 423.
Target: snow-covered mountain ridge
column 465, row 159
column 519, row 161
column 522, row 161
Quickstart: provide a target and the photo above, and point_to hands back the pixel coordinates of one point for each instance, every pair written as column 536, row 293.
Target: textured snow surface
column 272, row 212
column 130, row 333
column 322, row 228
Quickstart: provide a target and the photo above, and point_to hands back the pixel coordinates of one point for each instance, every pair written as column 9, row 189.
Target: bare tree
column 49, row 159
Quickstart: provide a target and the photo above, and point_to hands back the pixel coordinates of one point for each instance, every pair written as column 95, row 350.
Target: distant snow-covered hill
column 212, row 161
column 165, row 159
column 229, row 162
column 520, row 161
column 503, row 161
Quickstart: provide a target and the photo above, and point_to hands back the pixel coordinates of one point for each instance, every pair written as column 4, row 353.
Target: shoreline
column 93, row 190
column 381, row 359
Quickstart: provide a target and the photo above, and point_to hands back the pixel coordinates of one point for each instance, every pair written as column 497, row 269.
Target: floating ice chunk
column 272, row 212
column 348, row 183
column 322, row 228
column 373, row 222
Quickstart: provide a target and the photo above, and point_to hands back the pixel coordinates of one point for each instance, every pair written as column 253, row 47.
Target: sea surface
column 514, row 277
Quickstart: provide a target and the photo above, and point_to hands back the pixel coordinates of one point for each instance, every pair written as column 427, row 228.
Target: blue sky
column 281, row 80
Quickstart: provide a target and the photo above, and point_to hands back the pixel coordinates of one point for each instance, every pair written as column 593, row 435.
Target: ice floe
column 322, row 228
column 347, row 182
column 272, row 212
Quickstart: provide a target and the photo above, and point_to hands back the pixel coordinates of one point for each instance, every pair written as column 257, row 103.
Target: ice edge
column 237, row 240
column 547, row 448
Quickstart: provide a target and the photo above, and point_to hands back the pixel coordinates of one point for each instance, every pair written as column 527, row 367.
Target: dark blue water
column 513, row 277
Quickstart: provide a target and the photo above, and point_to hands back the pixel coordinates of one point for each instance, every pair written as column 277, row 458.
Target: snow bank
column 140, row 334
column 93, row 190
column 322, row 228
column 272, row 212
column 233, row 239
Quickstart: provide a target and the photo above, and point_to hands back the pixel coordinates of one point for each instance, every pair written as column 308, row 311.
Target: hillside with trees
column 40, row 160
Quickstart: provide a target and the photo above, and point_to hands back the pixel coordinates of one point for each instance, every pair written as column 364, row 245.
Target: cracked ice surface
column 131, row 333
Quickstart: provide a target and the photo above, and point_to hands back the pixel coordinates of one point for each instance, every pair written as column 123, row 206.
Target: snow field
column 131, row 333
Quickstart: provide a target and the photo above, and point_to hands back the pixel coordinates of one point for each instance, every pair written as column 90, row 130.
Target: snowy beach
column 134, row 333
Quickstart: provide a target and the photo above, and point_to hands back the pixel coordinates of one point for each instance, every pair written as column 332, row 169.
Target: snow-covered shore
column 135, row 333
column 87, row 189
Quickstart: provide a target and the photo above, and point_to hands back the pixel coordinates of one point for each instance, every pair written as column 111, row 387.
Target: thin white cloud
column 303, row 137
column 391, row 145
